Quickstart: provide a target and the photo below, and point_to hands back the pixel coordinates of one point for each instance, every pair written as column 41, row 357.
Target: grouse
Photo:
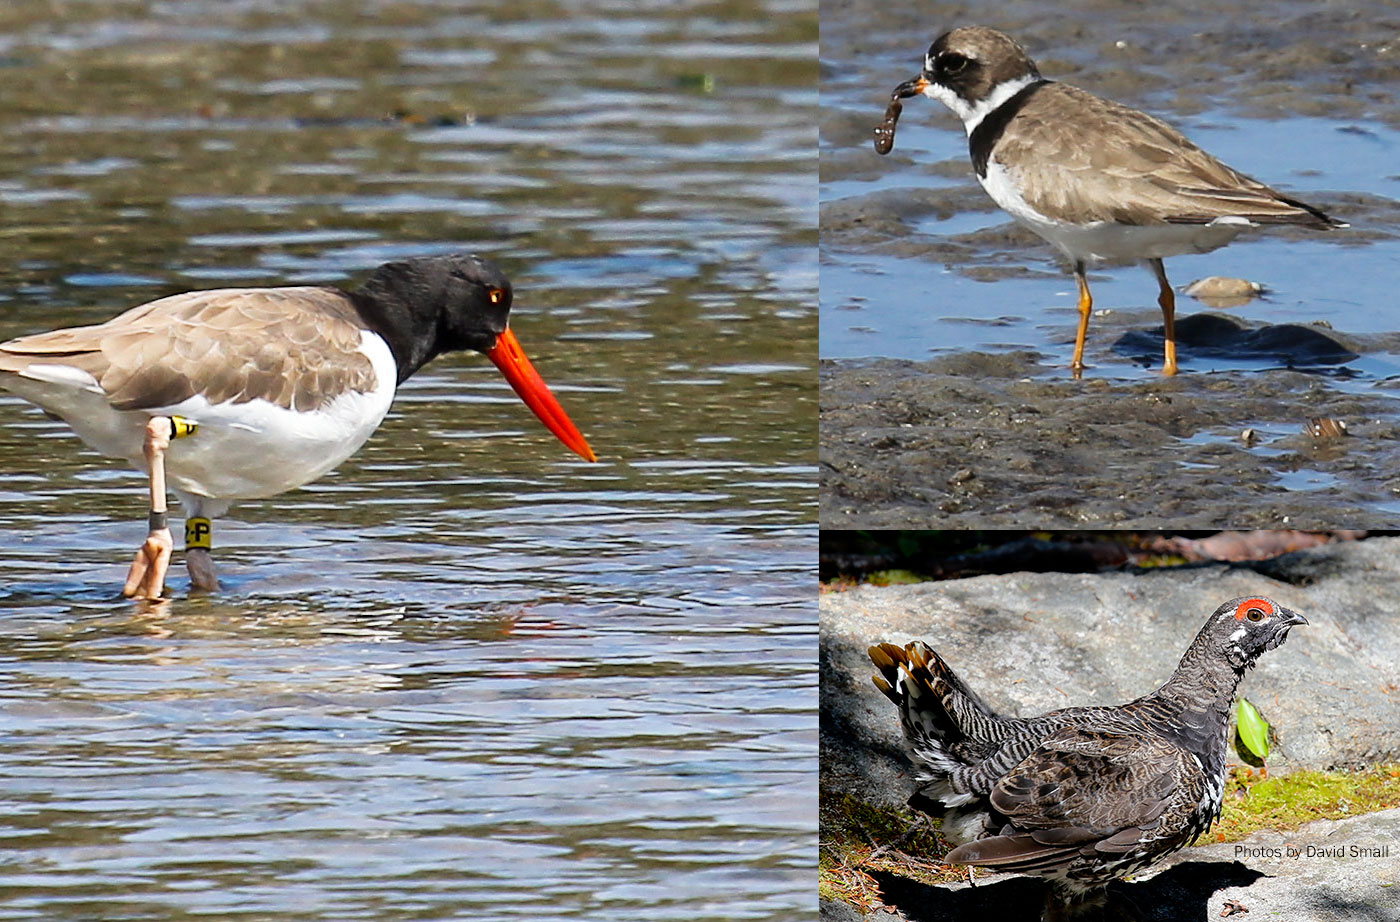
column 1081, row 795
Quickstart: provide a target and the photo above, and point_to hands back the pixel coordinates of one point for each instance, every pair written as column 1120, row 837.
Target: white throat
column 973, row 113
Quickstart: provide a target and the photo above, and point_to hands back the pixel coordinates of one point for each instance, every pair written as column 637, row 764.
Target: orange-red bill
column 527, row 383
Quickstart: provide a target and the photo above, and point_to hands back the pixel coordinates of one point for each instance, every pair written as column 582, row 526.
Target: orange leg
column 1086, row 305
column 146, row 578
column 1166, row 298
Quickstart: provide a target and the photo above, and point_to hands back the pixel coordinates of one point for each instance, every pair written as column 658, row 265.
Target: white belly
column 241, row 450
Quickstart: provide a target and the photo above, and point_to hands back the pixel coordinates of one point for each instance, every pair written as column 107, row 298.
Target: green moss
column 1254, row 801
column 895, row 578
column 1161, row 560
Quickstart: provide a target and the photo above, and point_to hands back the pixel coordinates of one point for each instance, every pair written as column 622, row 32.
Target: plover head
column 973, row 69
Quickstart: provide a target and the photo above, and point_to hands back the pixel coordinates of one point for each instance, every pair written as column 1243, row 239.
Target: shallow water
column 466, row 674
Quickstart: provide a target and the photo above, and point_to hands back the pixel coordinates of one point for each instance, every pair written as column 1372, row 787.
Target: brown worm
column 884, row 132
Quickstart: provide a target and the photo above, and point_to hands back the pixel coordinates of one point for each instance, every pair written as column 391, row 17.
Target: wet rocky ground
column 946, row 329
column 979, row 441
column 1271, row 59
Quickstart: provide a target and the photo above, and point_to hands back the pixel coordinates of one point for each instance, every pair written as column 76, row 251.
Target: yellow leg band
column 181, row 427
column 199, row 532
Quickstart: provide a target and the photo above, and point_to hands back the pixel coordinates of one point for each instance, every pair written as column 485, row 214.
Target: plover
column 1096, row 179
column 240, row 393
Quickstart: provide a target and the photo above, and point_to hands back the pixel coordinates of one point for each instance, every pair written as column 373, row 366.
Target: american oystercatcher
column 241, row 393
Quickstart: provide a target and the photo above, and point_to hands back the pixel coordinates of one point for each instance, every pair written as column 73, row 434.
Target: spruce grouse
column 1081, row 795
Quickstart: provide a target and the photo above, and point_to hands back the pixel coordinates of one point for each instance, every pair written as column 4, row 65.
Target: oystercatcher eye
column 1255, row 614
column 497, row 295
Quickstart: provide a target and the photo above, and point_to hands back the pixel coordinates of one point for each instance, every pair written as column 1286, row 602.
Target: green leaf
column 1254, row 729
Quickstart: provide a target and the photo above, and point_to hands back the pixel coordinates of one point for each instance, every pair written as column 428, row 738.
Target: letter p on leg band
column 199, row 532
column 181, row 427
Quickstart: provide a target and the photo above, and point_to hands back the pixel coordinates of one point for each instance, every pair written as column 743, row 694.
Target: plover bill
column 1096, row 179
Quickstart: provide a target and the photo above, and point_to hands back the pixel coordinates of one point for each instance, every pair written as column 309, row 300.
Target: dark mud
column 1269, row 60
column 974, row 441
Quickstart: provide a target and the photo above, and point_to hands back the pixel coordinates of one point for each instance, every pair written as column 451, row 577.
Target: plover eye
column 1255, row 614
column 952, row 64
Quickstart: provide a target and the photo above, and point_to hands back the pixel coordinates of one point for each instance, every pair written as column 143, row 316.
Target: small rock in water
column 1219, row 291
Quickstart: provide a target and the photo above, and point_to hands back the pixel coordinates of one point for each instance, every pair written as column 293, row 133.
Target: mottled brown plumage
column 297, row 348
column 1138, row 171
column 1143, row 794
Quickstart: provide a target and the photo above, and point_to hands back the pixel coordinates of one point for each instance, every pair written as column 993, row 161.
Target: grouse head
column 1242, row 629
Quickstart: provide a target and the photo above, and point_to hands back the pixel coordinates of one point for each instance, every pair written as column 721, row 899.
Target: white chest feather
column 259, row 449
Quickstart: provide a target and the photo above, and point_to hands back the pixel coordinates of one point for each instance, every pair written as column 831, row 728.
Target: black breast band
column 985, row 136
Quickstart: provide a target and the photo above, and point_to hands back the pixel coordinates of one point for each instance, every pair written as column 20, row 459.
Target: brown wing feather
column 295, row 347
column 1143, row 172
column 1087, row 790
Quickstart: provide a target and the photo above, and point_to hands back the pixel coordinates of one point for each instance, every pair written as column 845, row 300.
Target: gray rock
column 1032, row 642
column 1323, row 872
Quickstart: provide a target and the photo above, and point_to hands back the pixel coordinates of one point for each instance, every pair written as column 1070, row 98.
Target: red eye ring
column 1255, row 610
column 497, row 295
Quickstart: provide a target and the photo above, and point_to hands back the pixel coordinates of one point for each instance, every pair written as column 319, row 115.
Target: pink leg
column 146, row 579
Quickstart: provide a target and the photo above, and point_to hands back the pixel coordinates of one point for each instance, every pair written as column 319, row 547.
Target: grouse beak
column 527, row 383
column 1288, row 619
column 913, row 87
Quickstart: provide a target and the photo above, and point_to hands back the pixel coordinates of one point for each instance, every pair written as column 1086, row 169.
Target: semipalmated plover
column 1096, row 179
column 263, row 389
